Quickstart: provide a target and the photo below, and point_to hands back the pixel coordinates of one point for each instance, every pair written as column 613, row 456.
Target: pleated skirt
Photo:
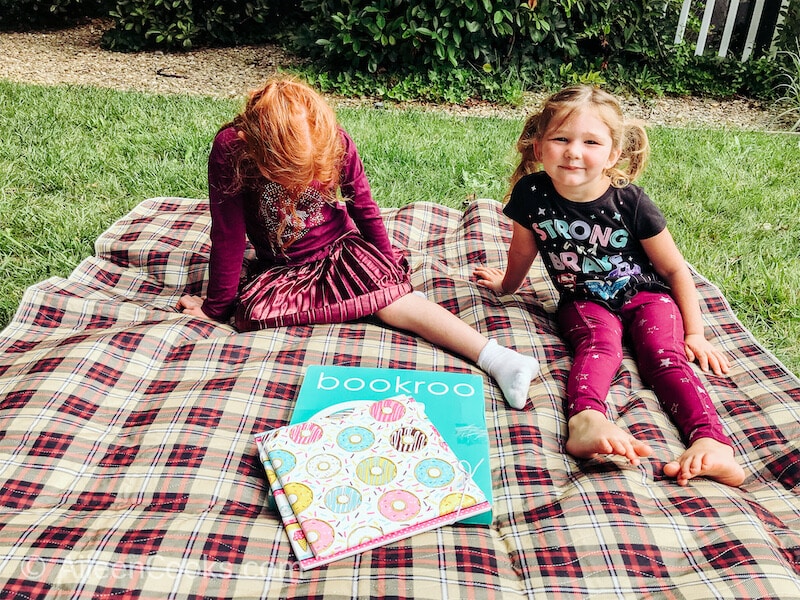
column 353, row 281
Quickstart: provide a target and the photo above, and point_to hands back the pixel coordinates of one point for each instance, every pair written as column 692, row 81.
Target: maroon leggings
column 655, row 326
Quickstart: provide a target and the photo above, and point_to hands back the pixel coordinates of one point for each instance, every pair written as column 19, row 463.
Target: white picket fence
column 717, row 15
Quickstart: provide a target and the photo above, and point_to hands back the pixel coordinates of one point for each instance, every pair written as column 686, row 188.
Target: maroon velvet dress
column 322, row 262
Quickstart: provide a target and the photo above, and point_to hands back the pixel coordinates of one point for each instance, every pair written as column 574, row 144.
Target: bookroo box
column 454, row 402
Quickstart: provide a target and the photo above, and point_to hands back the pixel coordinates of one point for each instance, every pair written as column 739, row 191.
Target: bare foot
column 706, row 457
column 591, row 435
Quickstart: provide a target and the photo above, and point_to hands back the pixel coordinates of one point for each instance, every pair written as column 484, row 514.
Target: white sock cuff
column 487, row 354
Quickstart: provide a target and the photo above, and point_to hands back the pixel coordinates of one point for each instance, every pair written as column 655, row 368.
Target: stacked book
column 358, row 474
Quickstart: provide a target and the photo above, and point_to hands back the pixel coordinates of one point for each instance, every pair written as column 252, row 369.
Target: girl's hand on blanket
column 191, row 305
column 490, row 277
column 699, row 349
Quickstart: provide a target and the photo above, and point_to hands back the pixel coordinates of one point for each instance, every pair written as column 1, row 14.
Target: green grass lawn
column 75, row 159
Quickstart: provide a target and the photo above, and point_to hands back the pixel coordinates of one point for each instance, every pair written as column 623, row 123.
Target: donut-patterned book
column 366, row 475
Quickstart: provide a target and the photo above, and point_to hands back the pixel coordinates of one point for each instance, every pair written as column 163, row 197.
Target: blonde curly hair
column 629, row 137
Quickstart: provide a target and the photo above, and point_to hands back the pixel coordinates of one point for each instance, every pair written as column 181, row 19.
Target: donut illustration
column 305, row 433
column 452, row 502
column 408, row 439
column 362, row 535
column 342, row 499
column 376, row 470
column 318, row 533
column 386, row 411
column 271, row 477
column 434, row 472
column 398, row 505
column 355, row 439
column 282, row 461
column 323, row 466
column 299, row 496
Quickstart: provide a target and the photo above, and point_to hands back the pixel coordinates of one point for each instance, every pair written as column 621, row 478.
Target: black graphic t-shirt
column 590, row 249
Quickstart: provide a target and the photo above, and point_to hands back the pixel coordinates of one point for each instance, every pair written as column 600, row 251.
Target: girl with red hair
column 285, row 176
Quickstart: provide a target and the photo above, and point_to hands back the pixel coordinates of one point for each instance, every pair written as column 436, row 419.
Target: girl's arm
column 670, row 264
column 228, row 228
column 521, row 253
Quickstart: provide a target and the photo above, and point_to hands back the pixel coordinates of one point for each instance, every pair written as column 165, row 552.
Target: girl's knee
column 598, row 337
column 587, row 325
column 409, row 310
column 658, row 362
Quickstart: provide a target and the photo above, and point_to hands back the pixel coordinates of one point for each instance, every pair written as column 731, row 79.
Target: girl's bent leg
column 512, row 371
column 434, row 323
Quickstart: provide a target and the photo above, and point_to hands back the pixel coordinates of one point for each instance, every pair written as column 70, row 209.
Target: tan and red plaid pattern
column 128, row 467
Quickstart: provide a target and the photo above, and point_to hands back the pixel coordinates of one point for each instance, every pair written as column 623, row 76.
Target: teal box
column 454, row 402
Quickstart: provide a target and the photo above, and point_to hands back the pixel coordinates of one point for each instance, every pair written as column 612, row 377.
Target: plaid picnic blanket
column 128, row 468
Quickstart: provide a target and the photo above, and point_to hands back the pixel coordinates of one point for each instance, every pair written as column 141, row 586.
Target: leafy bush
column 180, row 24
column 145, row 23
column 625, row 44
column 382, row 34
column 32, row 14
column 373, row 34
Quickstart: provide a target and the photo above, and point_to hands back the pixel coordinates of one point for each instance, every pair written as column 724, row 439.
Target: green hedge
column 376, row 34
column 180, row 24
column 624, row 43
column 34, row 14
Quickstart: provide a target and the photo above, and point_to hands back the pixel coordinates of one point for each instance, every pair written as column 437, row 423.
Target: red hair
column 292, row 136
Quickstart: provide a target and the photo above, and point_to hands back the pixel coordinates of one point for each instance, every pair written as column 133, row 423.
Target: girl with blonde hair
column 618, row 272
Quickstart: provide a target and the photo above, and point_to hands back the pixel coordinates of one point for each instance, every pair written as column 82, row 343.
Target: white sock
column 511, row 370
